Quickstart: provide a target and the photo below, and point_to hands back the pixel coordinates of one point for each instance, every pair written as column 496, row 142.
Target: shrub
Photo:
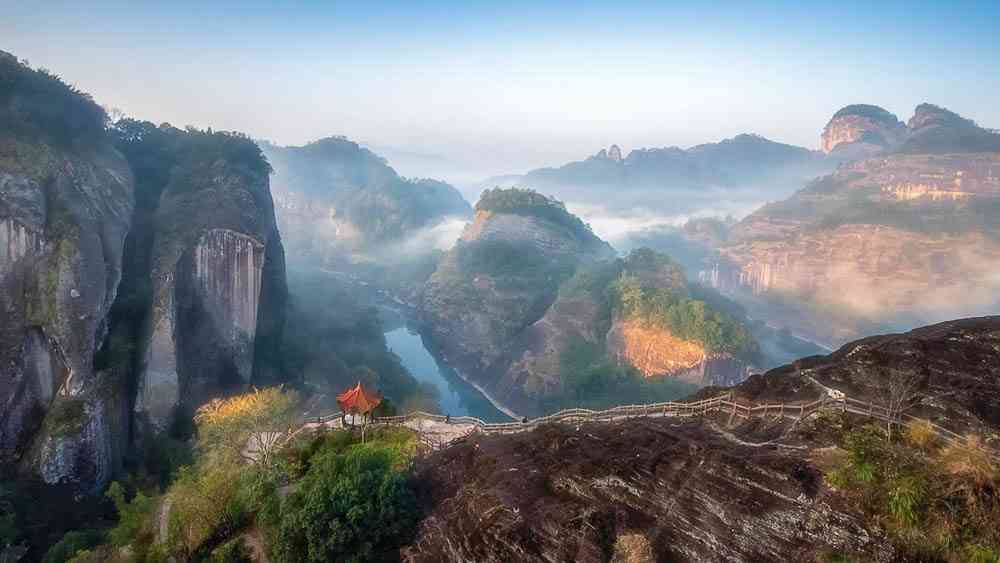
column 970, row 461
column 351, row 506
column 234, row 551
column 921, row 433
column 206, row 504
column 71, row 544
column 131, row 515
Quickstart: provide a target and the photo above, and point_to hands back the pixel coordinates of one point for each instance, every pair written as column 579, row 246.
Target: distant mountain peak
column 869, row 126
column 612, row 153
column 615, row 153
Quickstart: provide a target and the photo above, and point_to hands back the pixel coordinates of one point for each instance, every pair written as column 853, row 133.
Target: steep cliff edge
column 65, row 207
column 899, row 240
column 207, row 270
column 141, row 273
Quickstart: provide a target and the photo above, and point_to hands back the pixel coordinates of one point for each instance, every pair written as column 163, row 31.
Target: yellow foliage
column 921, row 434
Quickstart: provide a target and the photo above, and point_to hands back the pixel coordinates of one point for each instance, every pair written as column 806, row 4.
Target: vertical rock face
column 218, row 282
column 64, row 212
column 228, row 268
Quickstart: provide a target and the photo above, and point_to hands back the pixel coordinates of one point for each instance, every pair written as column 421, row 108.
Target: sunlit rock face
column 656, row 352
column 862, row 128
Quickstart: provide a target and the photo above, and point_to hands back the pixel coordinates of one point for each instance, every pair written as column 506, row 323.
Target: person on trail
column 447, row 419
column 524, row 420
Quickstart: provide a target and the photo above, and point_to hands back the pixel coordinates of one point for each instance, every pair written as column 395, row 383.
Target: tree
column 353, row 506
column 901, row 390
column 251, row 426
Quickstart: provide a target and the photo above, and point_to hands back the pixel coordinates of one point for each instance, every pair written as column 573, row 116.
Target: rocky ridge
column 700, row 490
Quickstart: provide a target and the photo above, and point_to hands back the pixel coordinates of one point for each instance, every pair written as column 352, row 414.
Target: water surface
column 456, row 397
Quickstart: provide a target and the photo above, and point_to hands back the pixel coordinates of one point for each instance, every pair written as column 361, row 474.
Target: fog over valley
column 451, row 282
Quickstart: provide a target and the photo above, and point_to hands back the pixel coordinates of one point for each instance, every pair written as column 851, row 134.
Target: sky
column 485, row 88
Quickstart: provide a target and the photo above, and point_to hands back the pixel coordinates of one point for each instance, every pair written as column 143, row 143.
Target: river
column 456, row 397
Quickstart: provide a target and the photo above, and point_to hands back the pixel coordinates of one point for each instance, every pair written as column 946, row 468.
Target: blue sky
column 505, row 86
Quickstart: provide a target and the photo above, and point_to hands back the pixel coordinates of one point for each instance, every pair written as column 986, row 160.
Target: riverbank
column 496, row 404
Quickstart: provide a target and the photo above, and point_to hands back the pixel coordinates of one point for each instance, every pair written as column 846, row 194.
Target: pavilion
column 358, row 401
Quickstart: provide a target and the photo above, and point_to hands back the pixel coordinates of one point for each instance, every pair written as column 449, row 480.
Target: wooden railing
column 723, row 404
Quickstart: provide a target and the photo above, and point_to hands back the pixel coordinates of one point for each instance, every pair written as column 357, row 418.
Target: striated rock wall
column 571, row 493
column 64, row 213
column 217, row 260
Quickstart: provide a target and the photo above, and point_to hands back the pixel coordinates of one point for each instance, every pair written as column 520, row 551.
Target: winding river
column 455, row 395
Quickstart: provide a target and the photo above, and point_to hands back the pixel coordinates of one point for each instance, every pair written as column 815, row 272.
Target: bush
column 234, row 551
column 131, row 515
column 921, row 434
column 206, row 505
column 352, row 506
column 937, row 503
column 71, row 544
column 36, row 101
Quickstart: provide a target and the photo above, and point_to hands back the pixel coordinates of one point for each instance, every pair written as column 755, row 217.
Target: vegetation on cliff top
column 37, row 102
column 938, row 501
column 667, row 304
column 867, row 110
column 530, row 203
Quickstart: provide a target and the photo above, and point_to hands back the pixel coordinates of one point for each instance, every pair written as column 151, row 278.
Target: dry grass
column 633, row 548
column 970, row 462
column 920, row 433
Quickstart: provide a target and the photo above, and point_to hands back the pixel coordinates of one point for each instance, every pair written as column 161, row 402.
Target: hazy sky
column 504, row 86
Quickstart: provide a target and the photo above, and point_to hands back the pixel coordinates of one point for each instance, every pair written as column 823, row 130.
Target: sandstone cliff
column 208, row 250
column 141, row 273
column 65, row 207
column 862, row 129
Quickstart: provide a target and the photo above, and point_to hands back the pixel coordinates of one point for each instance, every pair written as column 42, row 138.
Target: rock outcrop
column 862, row 129
column 141, row 273
column 711, row 489
column 216, row 272
column 571, row 493
column 65, row 207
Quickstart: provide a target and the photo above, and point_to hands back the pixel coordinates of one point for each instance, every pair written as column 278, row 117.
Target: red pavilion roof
column 358, row 400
